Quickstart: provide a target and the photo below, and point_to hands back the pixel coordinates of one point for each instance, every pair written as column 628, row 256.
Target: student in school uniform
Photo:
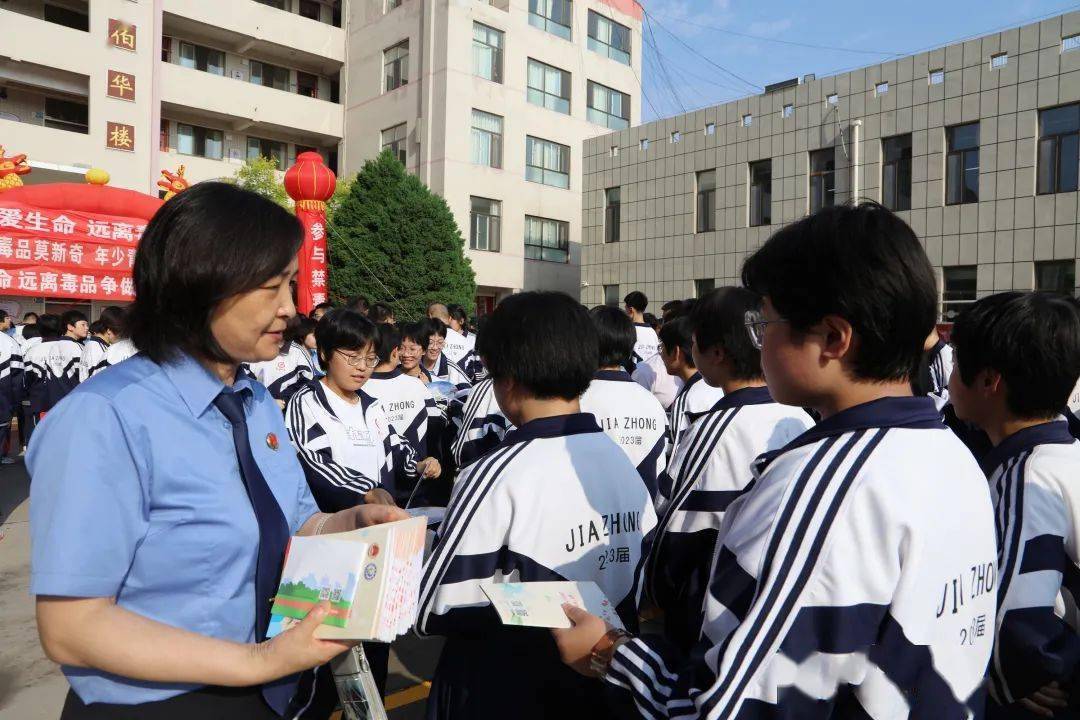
column 832, row 585
column 456, row 346
column 51, row 368
column 696, row 395
column 710, row 467
column 436, row 362
column 104, row 331
column 348, row 450
column 408, row 405
column 119, row 351
column 471, row 363
column 936, row 368
column 626, row 412
column 556, row 500
column 292, row 368
column 30, row 337
column 479, row 424
column 1017, row 360
column 647, row 345
column 11, row 392
column 654, row 377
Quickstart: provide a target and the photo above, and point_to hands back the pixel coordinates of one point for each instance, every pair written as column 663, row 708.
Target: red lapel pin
column 271, row 441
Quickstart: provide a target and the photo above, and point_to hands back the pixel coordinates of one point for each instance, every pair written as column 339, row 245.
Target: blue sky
column 682, row 33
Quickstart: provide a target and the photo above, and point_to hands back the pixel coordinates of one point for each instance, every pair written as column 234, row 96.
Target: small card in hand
column 539, row 604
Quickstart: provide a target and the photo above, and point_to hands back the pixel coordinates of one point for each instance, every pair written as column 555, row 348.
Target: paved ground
column 31, row 686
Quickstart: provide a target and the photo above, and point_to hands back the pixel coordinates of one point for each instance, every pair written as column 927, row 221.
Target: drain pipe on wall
column 856, row 156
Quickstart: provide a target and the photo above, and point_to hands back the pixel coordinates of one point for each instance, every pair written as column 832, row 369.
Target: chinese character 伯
column 122, row 35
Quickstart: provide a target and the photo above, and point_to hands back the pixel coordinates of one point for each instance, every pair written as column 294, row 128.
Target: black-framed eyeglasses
column 359, row 360
column 756, row 323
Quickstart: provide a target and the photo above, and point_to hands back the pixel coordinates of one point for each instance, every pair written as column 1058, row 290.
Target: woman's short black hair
column 862, row 263
column 615, row 335
column 719, row 318
column 1032, row 339
column 29, row 315
column 387, row 340
column 342, row 329
column 676, row 334
column 113, row 318
column 209, row 243
column 637, row 300
column 358, row 303
column 544, row 341
column 418, row 332
column 436, row 327
column 50, row 327
column 31, row 331
column 299, row 327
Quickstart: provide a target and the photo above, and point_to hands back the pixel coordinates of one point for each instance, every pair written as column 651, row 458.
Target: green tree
column 258, row 175
column 394, row 240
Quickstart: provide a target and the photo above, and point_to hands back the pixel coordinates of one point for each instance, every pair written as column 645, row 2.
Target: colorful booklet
column 539, row 604
column 370, row 576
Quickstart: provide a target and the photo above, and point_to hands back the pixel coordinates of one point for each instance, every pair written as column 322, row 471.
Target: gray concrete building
column 976, row 145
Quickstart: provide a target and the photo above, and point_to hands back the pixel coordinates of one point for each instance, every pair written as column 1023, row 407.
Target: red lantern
column 310, row 184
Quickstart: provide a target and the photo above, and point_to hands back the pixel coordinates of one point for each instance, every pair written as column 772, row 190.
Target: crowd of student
column 830, row 512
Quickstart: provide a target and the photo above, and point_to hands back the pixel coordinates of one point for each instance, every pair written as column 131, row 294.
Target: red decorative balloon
column 310, row 179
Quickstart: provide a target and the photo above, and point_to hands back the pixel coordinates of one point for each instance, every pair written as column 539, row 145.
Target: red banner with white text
column 311, row 281
column 67, row 254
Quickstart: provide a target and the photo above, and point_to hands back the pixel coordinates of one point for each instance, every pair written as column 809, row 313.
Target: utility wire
column 718, row 66
column 663, row 68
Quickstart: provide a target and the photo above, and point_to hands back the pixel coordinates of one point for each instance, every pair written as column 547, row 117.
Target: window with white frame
column 396, row 66
column 607, row 107
column 547, row 162
column 394, row 139
column 788, row 111
column 643, row 144
column 999, row 61
column 553, row 16
column 549, row 87
column 676, row 136
column 747, row 120
column 936, row 77
column 199, row 141
column 487, row 52
column 1070, row 43
column 609, row 38
column 487, row 139
column 485, row 224
column 882, row 88
column 710, row 128
column 547, row 239
column 832, row 99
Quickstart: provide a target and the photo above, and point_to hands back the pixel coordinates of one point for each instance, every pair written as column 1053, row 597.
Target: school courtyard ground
column 31, row 686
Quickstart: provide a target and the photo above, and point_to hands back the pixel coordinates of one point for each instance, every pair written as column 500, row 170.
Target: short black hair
column 32, row 331
column 418, row 332
column 29, row 315
column 49, row 326
column 387, row 340
column 719, row 318
column 358, row 303
column 544, row 341
column 637, row 300
column 342, row 329
column 97, row 328
column 436, row 327
column 677, row 334
column 209, row 243
column 458, row 313
column 1032, row 339
column 615, row 335
column 671, row 309
column 298, row 328
column 862, row 263
column 113, row 318
column 71, row 317
column 323, row 306
column 651, row 320
column 380, row 312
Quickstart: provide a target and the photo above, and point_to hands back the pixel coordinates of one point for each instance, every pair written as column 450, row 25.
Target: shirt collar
column 197, row 387
column 554, row 426
column 322, row 396
column 615, row 375
column 642, row 325
column 1055, row 432
column 888, row 412
column 688, row 384
column 388, row 375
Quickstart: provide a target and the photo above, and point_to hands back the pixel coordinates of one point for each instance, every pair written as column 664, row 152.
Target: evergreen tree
column 392, row 239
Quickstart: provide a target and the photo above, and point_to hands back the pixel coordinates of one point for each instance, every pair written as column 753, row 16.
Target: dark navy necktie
column 273, row 537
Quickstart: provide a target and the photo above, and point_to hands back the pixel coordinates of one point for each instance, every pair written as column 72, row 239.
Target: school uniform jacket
column 342, row 462
column 51, row 371
column 653, row 376
column 93, row 358
column 647, row 343
column 457, row 346
column 709, row 469
column 695, row 397
column 447, row 370
column 1033, row 478
column 845, row 584
column 283, row 375
column 409, row 406
column 120, row 351
column 633, row 418
column 556, row 500
column 11, row 377
column 479, row 424
column 941, row 365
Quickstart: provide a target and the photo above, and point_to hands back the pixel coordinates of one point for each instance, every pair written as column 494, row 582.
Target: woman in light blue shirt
column 165, row 488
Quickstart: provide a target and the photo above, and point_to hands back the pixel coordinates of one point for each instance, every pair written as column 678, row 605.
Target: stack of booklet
column 371, row 577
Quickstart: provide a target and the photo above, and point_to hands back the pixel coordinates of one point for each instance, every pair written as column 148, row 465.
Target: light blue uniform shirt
column 136, row 494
